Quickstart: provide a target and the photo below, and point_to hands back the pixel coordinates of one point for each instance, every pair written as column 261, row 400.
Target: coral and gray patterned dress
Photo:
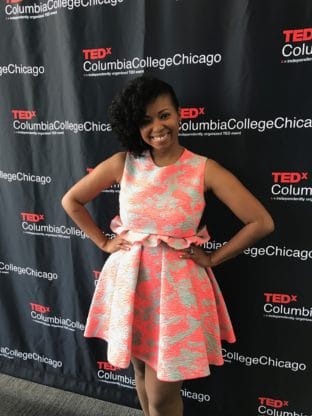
column 149, row 303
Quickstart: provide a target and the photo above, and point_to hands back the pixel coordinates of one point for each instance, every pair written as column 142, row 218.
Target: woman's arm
column 103, row 176
column 256, row 219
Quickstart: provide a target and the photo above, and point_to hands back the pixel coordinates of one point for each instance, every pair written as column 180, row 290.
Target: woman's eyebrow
column 164, row 109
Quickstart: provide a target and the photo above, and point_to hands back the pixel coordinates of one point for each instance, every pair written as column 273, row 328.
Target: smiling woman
column 157, row 302
column 129, row 112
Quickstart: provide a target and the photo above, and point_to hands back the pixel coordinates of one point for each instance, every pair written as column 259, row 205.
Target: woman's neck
column 166, row 157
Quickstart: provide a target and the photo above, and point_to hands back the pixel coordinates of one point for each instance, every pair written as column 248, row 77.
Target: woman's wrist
column 103, row 243
column 210, row 262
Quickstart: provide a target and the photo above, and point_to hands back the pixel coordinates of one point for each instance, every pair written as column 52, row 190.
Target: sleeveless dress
column 149, row 303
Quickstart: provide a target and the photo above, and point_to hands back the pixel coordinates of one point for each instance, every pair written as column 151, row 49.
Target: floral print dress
column 149, row 303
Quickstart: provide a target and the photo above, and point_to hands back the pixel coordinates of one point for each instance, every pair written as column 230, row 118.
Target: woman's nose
column 157, row 125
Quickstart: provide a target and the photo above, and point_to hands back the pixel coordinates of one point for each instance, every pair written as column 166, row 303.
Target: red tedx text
column 96, row 53
column 298, row 35
column 23, row 114
column 104, row 365
column 192, row 112
column 273, row 402
column 40, row 308
column 30, row 217
column 289, row 177
column 280, row 298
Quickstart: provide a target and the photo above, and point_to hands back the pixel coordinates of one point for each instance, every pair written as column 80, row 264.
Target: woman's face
column 160, row 125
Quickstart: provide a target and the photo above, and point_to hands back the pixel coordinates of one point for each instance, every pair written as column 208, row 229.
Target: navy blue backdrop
column 241, row 70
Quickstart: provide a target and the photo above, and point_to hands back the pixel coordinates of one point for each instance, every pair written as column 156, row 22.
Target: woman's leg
column 164, row 398
column 139, row 375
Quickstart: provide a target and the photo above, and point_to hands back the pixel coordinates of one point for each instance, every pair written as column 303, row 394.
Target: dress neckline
column 182, row 155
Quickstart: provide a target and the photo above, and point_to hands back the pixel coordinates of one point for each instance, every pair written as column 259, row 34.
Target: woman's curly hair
column 127, row 110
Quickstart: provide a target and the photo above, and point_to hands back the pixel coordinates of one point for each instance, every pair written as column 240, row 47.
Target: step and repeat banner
column 242, row 72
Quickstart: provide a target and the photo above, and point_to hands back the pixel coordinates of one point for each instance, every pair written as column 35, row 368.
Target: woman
column 157, row 302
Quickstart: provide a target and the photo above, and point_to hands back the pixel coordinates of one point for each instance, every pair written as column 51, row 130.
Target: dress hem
column 217, row 364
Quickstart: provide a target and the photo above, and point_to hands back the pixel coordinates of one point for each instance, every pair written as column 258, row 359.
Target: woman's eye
column 164, row 116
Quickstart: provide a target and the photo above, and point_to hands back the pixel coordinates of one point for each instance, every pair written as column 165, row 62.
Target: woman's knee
column 163, row 396
column 165, row 404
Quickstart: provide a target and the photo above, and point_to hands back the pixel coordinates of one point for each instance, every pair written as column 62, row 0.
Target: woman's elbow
column 267, row 225
column 66, row 202
column 70, row 204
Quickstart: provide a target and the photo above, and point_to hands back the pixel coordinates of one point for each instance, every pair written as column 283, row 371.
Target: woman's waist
column 153, row 236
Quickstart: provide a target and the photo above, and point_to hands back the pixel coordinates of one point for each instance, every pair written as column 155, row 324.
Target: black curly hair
column 127, row 110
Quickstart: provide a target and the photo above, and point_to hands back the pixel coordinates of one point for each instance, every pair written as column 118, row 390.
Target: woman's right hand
column 115, row 244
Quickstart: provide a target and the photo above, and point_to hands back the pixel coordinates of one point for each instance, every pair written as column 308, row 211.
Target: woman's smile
column 160, row 138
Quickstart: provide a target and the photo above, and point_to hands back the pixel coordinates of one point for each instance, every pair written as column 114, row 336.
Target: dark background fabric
column 241, row 70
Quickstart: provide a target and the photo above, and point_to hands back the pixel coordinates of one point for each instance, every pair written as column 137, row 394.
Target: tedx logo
column 289, row 177
column 96, row 53
column 192, row 112
column 23, row 114
column 30, row 217
column 298, row 35
column 40, row 308
column 280, row 298
column 275, row 403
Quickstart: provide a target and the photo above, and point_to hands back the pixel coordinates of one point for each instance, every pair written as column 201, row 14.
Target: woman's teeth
column 159, row 138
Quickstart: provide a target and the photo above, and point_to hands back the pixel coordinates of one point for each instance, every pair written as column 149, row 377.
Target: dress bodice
column 165, row 200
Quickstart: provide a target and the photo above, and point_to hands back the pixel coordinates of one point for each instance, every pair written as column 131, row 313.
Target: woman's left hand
column 196, row 254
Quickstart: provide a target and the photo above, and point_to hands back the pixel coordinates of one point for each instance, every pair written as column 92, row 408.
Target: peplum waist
column 153, row 240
